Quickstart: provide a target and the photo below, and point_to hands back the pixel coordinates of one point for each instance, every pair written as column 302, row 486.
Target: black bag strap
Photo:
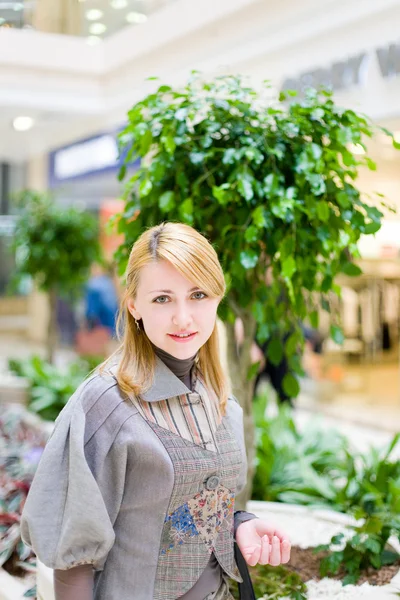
column 246, row 591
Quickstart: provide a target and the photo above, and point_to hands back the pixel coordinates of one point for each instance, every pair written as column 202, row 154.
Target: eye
column 161, row 300
column 199, row 295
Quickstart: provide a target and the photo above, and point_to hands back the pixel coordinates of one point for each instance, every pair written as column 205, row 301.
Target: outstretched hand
column 260, row 542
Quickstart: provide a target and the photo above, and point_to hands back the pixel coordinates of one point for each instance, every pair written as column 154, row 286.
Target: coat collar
column 165, row 385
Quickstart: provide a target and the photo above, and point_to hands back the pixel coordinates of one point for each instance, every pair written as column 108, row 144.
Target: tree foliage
column 272, row 184
column 54, row 245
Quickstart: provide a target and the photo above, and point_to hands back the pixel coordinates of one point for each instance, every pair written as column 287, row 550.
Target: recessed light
column 119, row 4
column 97, row 28
column 23, row 123
column 356, row 149
column 93, row 40
column 93, row 14
column 136, row 17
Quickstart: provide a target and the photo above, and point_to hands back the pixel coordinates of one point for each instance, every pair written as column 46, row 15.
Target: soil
column 306, row 564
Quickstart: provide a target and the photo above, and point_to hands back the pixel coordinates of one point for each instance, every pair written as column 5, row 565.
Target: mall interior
column 69, row 72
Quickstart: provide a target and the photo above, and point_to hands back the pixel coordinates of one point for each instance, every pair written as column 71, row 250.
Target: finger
column 275, row 557
column 264, row 528
column 253, row 558
column 285, row 551
column 264, row 555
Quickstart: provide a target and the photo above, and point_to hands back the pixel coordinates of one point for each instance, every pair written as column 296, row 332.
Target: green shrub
column 273, row 583
column 320, row 468
column 309, row 467
column 50, row 387
column 375, row 502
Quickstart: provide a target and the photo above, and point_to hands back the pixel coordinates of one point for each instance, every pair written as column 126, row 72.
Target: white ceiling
column 73, row 90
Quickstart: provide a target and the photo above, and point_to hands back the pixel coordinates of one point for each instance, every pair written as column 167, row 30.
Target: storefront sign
column 348, row 73
column 85, row 158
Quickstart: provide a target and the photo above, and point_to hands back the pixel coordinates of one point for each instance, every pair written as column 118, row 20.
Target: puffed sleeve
column 70, row 509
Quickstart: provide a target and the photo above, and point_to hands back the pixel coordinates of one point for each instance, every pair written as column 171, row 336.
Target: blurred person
column 101, row 299
column 134, row 495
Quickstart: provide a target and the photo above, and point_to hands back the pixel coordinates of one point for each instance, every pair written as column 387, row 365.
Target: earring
column 137, row 324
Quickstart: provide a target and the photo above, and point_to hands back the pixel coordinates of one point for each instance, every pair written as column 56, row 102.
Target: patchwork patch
column 202, row 515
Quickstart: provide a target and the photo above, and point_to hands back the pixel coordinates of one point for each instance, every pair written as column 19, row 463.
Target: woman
column 134, row 494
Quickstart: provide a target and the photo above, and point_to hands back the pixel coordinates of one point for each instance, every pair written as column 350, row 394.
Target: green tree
column 56, row 247
column 272, row 186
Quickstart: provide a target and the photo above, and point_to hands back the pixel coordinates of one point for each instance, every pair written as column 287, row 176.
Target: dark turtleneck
column 181, row 368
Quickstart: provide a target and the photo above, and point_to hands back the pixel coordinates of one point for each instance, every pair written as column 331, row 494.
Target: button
column 212, row 482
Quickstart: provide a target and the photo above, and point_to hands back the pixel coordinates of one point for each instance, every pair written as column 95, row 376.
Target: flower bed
column 22, row 439
column 308, row 528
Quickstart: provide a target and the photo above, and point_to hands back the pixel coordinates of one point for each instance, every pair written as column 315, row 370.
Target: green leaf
column 270, row 184
column 258, row 216
column 249, row 259
column 196, row 158
column 351, row 269
column 253, row 370
column 370, row 164
column 145, row 142
column 323, row 210
column 343, row 200
column 372, row 228
column 181, row 114
column 230, row 156
column 145, row 187
column 337, row 334
column 291, row 345
column 314, row 319
column 220, row 193
column 122, row 173
column 396, row 144
column 186, row 210
column 245, row 187
column 316, row 150
column 166, row 201
column 290, row 385
column 251, row 234
column 275, row 351
column 169, row 143
column 288, row 267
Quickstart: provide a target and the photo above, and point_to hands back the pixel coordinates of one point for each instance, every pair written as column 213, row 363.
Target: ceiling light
column 93, row 14
column 136, row 17
column 93, row 40
column 118, row 4
column 23, row 123
column 356, row 149
column 97, row 28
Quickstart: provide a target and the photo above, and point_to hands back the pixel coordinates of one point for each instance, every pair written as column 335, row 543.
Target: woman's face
column 177, row 316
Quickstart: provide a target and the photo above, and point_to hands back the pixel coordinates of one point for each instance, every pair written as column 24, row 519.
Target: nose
column 182, row 317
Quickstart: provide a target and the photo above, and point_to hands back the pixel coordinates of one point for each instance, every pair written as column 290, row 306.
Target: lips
column 183, row 336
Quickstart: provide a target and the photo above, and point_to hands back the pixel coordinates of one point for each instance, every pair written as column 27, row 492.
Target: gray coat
column 143, row 505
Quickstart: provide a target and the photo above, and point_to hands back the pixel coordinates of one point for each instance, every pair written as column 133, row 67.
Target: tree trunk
column 239, row 362
column 52, row 327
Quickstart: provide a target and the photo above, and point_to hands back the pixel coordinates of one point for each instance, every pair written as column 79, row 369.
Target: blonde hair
column 195, row 258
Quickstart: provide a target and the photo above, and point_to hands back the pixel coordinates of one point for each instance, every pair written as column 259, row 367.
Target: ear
column 131, row 307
